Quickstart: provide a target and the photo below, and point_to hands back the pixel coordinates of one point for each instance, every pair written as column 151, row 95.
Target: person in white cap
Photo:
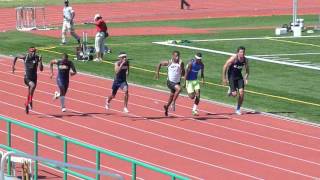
column 102, row 34
column 121, row 68
column 68, row 23
column 191, row 80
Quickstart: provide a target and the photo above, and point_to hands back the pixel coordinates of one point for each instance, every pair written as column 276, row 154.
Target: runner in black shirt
column 234, row 66
column 121, row 68
column 64, row 66
column 31, row 62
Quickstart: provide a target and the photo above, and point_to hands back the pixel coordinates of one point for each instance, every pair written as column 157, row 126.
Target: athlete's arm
column 127, row 73
column 41, row 64
column 225, row 67
column 73, row 14
column 186, row 73
column 183, row 71
column 73, row 68
column 246, row 76
column 202, row 73
column 118, row 67
column 162, row 63
column 15, row 60
column 51, row 67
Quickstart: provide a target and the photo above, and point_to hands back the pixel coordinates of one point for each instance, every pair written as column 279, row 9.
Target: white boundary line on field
column 255, row 38
column 294, row 54
column 228, row 53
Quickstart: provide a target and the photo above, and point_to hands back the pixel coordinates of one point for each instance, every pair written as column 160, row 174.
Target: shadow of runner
column 72, row 114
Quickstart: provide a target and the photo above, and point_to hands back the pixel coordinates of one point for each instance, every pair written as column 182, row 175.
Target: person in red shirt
column 102, row 34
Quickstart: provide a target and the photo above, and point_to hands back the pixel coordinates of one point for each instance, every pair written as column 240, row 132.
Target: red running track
column 215, row 145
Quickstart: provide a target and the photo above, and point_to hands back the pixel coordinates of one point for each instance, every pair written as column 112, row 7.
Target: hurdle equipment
column 30, row 18
column 84, row 52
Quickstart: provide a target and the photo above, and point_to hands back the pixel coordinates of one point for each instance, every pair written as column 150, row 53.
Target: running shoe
column 107, row 104
column 125, row 110
column 63, row 109
column 30, row 106
column 56, row 95
column 238, row 112
column 195, row 113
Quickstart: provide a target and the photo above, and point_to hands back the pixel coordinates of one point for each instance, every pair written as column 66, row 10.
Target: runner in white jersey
column 68, row 23
column 175, row 72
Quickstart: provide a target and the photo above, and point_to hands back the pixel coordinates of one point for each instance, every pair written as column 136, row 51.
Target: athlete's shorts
column 171, row 86
column 117, row 85
column 236, row 84
column 63, row 84
column 192, row 85
column 28, row 80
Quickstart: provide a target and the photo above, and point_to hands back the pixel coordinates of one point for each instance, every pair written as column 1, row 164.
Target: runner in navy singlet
column 233, row 67
column 121, row 68
column 31, row 62
column 64, row 66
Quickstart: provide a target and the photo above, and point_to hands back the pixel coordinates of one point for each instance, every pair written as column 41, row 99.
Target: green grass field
column 280, row 89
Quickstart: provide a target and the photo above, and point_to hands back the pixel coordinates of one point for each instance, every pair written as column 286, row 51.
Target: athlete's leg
column 190, row 89
column 115, row 87
column 196, row 102
column 32, row 87
column 241, row 95
column 168, row 103
column 177, row 92
column 64, row 32
column 175, row 96
column 233, row 87
column 126, row 97
column 240, row 98
column 197, row 99
column 62, row 96
column 73, row 33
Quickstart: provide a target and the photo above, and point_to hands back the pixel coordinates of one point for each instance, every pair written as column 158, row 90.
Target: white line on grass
column 294, row 54
column 228, row 53
column 255, row 38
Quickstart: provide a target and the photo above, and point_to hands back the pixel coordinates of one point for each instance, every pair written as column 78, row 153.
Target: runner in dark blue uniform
column 121, row 68
column 64, row 67
column 234, row 66
column 31, row 62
